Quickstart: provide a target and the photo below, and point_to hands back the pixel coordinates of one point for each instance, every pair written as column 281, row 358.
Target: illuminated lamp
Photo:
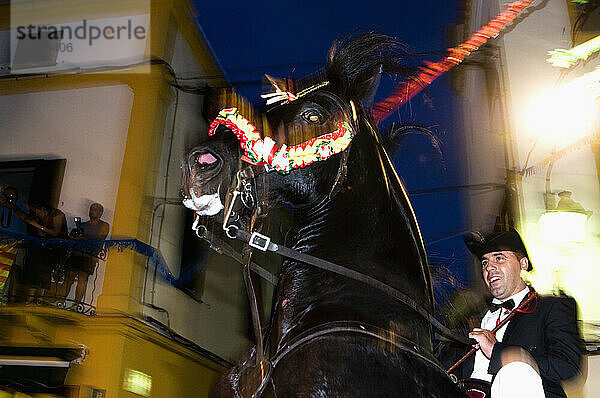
column 566, row 224
column 567, row 113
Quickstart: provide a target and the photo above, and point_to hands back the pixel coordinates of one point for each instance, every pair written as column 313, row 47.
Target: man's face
column 502, row 273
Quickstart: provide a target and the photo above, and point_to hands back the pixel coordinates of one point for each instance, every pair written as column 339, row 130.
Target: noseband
column 260, row 151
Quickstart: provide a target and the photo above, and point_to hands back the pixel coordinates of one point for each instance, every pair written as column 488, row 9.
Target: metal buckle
column 230, row 212
column 231, row 231
column 201, row 230
column 259, row 241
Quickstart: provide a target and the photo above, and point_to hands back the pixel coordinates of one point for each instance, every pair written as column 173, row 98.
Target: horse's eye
column 312, row 116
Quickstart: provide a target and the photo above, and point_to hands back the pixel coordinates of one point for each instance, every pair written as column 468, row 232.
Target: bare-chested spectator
column 45, row 222
column 80, row 266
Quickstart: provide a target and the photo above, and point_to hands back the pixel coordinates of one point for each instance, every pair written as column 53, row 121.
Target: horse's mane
column 355, row 62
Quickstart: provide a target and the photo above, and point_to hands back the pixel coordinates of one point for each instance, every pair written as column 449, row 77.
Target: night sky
column 291, row 38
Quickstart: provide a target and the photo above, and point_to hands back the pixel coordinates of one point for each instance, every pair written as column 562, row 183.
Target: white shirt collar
column 517, row 297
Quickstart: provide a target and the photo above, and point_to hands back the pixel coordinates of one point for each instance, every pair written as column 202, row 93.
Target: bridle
column 264, row 243
column 242, row 195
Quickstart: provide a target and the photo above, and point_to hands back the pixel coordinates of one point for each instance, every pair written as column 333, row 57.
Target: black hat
column 496, row 241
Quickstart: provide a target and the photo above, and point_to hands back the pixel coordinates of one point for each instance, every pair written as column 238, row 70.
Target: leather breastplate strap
column 267, row 367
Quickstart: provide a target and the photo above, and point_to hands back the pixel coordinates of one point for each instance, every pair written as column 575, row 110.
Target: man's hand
column 485, row 340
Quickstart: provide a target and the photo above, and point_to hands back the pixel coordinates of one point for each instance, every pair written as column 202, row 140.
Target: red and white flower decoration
column 264, row 151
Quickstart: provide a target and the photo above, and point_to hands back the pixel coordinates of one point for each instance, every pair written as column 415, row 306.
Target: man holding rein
column 540, row 345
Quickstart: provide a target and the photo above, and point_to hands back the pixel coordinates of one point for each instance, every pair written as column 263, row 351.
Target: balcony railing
column 51, row 301
column 62, row 273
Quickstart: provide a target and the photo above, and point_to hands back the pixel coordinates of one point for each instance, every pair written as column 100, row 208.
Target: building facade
column 102, row 112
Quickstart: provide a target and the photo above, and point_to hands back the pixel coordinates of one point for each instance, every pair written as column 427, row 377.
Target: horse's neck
column 369, row 221
column 364, row 228
column 368, row 229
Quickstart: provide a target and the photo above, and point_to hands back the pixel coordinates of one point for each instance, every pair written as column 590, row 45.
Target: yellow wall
column 115, row 344
column 116, row 339
column 152, row 96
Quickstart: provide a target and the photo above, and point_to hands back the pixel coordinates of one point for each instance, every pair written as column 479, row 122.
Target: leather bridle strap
column 262, row 242
column 221, row 247
column 350, row 327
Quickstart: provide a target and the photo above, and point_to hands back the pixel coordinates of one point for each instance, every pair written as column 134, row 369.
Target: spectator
column 47, row 222
column 81, row 265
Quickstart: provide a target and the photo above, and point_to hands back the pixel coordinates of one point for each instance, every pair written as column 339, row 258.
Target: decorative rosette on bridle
column 260, row 151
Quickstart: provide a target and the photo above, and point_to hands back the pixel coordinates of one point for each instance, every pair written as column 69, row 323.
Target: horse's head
column 305, row 135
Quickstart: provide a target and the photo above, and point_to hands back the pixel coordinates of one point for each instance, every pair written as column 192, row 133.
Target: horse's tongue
column 206, row 158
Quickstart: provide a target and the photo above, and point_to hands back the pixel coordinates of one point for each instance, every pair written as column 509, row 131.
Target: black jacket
column 550, row 334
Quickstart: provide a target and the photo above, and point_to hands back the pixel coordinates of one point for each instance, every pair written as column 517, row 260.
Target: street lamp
column 564, row 228
column 564, row 225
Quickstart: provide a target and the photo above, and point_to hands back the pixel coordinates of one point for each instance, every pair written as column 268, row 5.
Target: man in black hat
column 543, row 333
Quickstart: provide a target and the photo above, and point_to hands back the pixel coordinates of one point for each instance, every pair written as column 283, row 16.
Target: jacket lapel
column 511, row 327
column 516, row 320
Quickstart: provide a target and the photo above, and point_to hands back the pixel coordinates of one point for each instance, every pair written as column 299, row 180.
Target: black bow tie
column 508, row 304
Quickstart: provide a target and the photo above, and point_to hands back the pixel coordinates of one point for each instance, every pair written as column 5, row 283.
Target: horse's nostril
column 206, row 159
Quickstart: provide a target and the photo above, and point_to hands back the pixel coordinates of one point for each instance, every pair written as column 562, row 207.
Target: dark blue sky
column 291, row 38
column 269, row 34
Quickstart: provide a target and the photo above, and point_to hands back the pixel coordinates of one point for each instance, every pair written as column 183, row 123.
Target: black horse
column 330, row 335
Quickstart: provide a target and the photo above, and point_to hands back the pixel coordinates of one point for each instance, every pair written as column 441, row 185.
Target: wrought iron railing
column 61, row 252
column 50, row 301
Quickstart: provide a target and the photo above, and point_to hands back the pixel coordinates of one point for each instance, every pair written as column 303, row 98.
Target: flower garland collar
column 259, row 151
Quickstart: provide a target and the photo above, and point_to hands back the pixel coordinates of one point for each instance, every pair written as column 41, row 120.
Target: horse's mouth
column 205, row 205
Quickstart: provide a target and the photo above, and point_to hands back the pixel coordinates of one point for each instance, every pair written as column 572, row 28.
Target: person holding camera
column 81, row 265
column 43, row 222
column 46, row 222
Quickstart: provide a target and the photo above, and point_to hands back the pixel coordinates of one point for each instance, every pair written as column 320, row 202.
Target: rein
column 532, row 295
column 264, row 243
column 218, row 245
